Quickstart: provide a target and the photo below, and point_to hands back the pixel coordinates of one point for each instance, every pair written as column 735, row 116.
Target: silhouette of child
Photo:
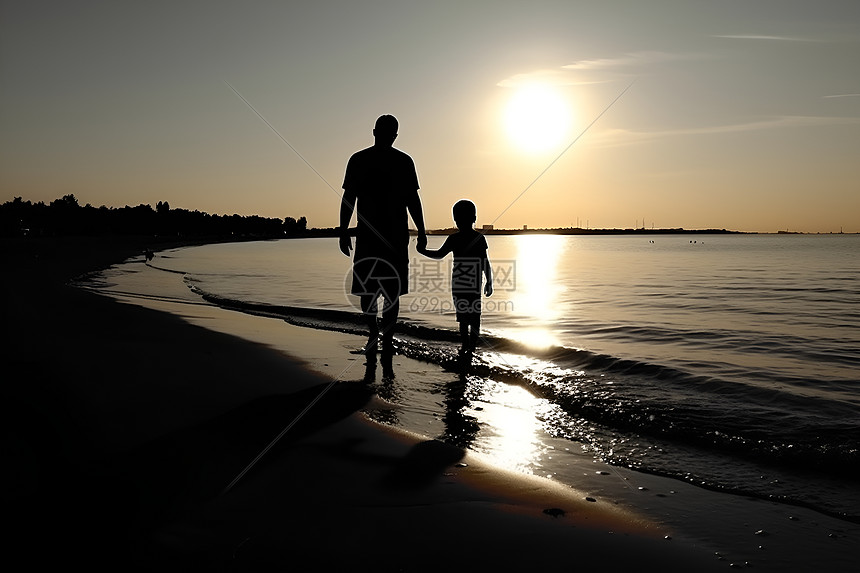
column 470, row 262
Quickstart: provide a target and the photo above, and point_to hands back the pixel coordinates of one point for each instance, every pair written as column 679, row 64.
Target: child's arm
column 436, row 253
column 488, row 272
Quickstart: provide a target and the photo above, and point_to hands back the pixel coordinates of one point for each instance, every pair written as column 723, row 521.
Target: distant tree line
column 65, row 217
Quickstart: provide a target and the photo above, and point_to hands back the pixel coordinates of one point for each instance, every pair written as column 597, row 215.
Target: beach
column 127, row 421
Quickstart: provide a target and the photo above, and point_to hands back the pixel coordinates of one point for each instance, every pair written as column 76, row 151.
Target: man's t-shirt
column 384, row 181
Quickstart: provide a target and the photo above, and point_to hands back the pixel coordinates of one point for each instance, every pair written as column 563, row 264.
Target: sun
column 537, row 118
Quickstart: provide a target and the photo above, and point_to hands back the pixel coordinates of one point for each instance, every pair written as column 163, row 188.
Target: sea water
column 729, row 361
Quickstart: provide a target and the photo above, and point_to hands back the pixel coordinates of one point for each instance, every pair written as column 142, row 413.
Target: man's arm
column 417, row 214
column 347, row 205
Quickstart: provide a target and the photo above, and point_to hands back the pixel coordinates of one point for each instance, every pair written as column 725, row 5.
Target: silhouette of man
column 381, row 185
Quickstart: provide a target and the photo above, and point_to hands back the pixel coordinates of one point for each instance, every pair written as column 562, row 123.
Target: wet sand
column 125, row 425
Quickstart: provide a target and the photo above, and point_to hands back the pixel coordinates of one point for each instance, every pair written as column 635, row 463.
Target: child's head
column 465, row 214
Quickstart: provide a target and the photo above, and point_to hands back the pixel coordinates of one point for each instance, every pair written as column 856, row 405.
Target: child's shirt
column 470, row 252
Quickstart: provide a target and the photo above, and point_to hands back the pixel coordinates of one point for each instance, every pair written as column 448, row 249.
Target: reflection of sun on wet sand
column 140, row 418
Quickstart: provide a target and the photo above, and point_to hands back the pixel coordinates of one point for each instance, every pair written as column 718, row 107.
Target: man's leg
column 369, row 309
column 390, row 311
column 464, row 335
column 475, row 330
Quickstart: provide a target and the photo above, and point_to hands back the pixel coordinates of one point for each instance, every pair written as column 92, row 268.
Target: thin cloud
column 629, row 137
column 571, row 74
column 631, row 59
column 840, row 95
column 761, row 37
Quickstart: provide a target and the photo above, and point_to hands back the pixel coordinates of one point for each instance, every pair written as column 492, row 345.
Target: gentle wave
column 629, row 395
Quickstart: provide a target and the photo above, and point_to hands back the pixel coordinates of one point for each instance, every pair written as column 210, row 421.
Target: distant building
column 525, row 227
column 487, row 228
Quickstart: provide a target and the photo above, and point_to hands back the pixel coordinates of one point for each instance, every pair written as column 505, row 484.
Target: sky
column 737, row 114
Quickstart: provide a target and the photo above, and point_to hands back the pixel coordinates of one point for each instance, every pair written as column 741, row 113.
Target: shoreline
column 339, row 482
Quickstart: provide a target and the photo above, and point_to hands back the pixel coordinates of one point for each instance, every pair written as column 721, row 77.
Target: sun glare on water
column 537, row 119
column 537, row 297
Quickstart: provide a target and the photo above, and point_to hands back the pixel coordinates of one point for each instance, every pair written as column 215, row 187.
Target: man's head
column 385, row 130
column 465, row 214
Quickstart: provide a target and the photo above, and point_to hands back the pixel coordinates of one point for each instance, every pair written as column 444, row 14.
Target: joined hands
column 345, row 243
